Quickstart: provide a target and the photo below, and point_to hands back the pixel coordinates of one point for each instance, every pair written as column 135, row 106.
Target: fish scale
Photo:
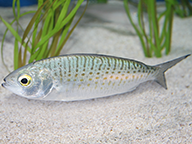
column 83, row 76
column 88, row 76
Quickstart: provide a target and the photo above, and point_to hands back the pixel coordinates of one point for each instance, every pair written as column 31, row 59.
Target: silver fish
column 83, row 76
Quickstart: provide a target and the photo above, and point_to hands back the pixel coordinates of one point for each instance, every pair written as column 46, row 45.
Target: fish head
column 29, row 81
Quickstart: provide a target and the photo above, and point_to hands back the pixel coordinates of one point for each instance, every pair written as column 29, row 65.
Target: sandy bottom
column 148, row 114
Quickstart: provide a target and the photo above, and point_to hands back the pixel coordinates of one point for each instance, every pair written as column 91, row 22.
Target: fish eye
column 25, row 80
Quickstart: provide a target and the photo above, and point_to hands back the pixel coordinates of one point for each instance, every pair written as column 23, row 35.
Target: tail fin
column 160, row 78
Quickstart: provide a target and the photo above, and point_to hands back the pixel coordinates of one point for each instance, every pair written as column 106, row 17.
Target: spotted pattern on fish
column 92, row 74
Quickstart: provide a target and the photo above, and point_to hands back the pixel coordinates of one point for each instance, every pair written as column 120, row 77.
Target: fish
column 74, row 77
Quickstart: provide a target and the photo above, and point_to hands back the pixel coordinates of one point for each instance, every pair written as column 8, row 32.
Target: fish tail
column 160, row 78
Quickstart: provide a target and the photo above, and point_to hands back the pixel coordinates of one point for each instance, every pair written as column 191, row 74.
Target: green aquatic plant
column 183, row 8
column 157, row 38
column 51, row 23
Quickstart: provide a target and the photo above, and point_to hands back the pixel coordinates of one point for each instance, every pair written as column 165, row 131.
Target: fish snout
column 3, row 84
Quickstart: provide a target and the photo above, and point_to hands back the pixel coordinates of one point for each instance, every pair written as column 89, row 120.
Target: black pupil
column 24, row 81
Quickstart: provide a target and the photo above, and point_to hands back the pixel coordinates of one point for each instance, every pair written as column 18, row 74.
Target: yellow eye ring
column 25, row 80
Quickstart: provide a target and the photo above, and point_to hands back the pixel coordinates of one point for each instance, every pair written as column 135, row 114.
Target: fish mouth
column 4, row 84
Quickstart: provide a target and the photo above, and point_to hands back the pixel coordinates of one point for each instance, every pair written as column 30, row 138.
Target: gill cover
column 42, row 83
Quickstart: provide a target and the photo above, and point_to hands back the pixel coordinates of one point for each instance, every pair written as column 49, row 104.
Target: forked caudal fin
column 160, row 78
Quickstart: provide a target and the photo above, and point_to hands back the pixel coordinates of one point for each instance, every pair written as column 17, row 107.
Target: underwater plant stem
column 184, row 7
column 48, row 25
column 16, row 47
column 59, row 16
column 168, row 37
column 163, row 31
column 149, row 50
column 189, row 6
column 16, row 50
column 59, row 48
column 150, row 37
column 135, row 27
column 155, row 25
